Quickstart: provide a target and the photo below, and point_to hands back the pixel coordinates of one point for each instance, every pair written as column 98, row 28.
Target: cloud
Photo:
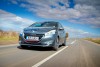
column 83, row 11
column 78, row 33
column 14, row 1
column 9, row 21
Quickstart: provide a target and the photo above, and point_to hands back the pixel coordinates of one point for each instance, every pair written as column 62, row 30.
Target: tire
column 64, row 44
column 22, row 46
column 56, row 44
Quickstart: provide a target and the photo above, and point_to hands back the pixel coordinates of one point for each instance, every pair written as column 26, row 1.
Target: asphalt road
column 77, row 53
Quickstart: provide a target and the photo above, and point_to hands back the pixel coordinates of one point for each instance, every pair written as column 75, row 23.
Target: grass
column 96, row 40
column 8, row 40
column 8, row 37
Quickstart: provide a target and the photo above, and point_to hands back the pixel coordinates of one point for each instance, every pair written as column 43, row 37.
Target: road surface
column 76, row 53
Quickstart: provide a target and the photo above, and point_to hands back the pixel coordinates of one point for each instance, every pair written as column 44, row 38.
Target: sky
column 80, row 18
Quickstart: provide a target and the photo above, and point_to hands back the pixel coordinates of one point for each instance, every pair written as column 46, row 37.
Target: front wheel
column 56, row 44
column 22, row 46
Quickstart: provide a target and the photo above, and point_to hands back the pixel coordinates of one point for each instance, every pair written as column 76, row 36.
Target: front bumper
column 43, row 42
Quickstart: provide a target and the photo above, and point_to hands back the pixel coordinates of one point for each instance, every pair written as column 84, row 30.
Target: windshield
column 45, row 24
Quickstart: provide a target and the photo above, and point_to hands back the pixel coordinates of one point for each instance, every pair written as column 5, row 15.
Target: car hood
column 39, row 30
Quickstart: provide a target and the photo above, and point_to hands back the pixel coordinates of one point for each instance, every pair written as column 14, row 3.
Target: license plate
column 32, row 38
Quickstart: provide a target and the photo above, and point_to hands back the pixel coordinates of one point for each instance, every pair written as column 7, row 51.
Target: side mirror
column 61, row 29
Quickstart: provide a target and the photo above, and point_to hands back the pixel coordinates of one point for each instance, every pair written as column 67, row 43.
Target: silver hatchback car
column 43, row 34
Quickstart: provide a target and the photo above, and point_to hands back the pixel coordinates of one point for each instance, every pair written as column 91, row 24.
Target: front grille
column 34, row 43
column 35, row 35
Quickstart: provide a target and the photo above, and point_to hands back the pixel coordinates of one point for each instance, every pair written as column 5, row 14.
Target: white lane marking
column 9, row 45
column 73, row 42
column 43, row 61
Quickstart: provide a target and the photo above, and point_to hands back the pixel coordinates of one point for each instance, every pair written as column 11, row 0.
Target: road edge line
column 73, row 42
column 46, row 59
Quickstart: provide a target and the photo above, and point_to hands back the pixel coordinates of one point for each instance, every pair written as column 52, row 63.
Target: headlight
column 50, row 33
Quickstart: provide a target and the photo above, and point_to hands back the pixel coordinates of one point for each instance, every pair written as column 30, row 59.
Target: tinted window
column 36, row 25
column 45, row 24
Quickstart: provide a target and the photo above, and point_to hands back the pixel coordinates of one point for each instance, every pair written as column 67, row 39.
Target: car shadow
column 36, row 48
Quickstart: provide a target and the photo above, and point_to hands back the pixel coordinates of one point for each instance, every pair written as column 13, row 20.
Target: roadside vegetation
column 96, row 40
column 9, row 37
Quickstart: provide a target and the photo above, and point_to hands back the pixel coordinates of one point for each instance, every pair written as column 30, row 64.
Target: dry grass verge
column 96, row 40
column 7, row 38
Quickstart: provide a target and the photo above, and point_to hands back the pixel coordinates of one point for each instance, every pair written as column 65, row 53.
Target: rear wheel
column 56, row 45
